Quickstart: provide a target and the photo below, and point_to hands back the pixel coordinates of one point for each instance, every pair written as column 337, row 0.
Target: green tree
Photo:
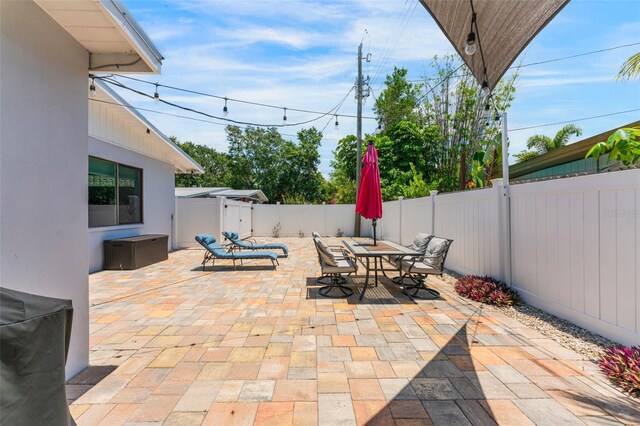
column 400, row 100
column 623, row 145
column 215, row 164
column 525, row 156
column 630, row 68
column 543, row 143
column 299, row 171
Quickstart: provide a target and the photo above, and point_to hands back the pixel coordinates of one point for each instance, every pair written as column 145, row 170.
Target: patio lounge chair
column 215, row 251
column 333, row 267
column 416, row 270
column 251, row 244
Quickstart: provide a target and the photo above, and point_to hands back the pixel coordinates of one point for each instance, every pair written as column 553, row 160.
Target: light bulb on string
column 92, row 89
column 470, row 47
column 284, row 117
column 484, row 89
column 337, row 125
column 225, row 110
column 156, row 95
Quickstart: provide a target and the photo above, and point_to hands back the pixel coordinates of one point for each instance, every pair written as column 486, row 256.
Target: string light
column 225, row 110
column 337, row 125
column 485, row 89
column 156, row 95
column 92, row 88
column 284, row 117
column 470, row 47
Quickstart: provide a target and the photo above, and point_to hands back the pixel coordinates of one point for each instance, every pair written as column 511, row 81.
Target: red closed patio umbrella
column 369, row 203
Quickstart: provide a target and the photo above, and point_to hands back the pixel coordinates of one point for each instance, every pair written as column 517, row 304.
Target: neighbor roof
column 198, row 192
column 115, row 41
column 505, row 28
column 249, row 194
column 565, row 154
column 162, row 148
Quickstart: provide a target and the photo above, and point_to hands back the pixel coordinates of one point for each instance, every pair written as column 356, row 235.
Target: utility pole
column 359, row 96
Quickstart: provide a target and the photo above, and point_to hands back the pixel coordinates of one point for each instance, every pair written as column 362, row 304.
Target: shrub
column 621, row 364
column 486, row 290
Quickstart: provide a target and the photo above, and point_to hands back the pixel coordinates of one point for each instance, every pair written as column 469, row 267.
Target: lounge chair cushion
column 205, row 239
column 233, row 237
column 342, row 266
column 434, row 254
column 255, row 255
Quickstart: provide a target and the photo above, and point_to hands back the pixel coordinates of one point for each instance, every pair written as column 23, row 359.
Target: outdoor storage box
column 135, row 252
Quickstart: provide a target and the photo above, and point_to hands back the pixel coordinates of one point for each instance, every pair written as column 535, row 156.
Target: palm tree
column 541, row 144
column 630, row 68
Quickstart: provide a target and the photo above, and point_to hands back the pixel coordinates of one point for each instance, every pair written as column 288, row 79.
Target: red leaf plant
column 486, row 290
column 621, row 364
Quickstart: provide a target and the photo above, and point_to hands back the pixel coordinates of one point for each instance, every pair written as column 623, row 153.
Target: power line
column 394, row 42
column 225, row 98
column 394, row 37
column 592, row 52
column 573, row 121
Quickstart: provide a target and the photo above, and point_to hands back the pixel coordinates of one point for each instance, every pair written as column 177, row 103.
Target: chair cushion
column 325, row 253
column 434, row 253
column 418, row 267
column 233, row 235
column 342, row 266
column 420, row 242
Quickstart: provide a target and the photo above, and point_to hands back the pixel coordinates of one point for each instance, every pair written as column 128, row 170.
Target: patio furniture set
column 425, row 256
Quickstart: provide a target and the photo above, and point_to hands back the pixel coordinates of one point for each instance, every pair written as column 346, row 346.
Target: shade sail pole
column 506, row 213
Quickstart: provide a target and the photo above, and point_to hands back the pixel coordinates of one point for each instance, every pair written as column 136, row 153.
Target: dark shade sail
column 34, row 340
column 505, row 28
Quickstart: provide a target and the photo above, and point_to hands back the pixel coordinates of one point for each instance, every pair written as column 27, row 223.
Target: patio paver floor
column 260, row 346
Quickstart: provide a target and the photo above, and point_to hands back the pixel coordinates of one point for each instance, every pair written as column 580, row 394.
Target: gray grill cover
column 34, row 340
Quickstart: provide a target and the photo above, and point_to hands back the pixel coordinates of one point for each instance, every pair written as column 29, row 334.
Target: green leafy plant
column 276, row 230
column 623, row 145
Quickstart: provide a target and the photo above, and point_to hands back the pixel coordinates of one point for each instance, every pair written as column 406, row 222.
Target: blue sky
column 302, row 54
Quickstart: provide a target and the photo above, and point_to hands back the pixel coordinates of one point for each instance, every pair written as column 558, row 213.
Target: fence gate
column 237, row 218
column 245, row 220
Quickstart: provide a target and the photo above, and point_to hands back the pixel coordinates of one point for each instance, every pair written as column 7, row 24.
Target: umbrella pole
column 374, row 223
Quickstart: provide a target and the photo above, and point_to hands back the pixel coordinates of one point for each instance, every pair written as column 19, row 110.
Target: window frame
column 117, row 194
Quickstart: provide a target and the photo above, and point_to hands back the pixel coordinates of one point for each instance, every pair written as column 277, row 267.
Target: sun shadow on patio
column 85, row 380
column 447, row 389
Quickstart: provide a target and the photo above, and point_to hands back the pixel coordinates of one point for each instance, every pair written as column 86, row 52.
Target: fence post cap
column 278, row 202
column 496, row 182
column 400, row 198
column 433, row 192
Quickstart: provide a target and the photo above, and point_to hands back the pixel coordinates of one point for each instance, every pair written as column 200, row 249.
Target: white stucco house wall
column 47, row 50
column 122, row 137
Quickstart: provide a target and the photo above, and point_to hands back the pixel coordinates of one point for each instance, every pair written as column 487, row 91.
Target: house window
column 115, row 193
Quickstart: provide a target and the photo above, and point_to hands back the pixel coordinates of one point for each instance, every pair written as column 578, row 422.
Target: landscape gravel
column 569, row 335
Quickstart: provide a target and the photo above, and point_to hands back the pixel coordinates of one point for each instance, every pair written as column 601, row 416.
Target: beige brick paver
column 260, row 346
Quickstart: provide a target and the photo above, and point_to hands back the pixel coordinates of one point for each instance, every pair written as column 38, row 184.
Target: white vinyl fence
column 572, row 247
column 210, row 216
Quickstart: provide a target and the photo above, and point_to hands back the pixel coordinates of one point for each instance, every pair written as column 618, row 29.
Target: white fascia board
column 135, row 35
